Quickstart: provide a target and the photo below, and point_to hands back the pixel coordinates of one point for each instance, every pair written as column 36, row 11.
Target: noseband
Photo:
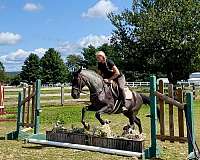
column 80, row 79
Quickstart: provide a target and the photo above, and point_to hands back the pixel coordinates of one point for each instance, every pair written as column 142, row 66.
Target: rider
column 109, row 71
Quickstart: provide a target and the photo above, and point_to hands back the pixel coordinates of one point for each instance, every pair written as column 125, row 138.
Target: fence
column 137, row 84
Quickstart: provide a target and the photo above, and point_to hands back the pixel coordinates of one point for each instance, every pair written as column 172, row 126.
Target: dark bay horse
column 103, row 100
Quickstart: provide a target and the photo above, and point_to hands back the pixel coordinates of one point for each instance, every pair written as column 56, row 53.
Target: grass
column 71, row 115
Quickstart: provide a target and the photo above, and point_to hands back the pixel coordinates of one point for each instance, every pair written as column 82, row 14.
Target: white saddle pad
column 128, row 93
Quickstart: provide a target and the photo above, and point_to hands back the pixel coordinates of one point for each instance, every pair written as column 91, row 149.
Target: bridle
column 79, row 89
column 81, row 80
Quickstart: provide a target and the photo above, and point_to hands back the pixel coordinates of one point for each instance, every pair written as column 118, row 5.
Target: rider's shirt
column 106, row 68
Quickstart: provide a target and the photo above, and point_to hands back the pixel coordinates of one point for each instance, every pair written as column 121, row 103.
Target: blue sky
column 66, row 25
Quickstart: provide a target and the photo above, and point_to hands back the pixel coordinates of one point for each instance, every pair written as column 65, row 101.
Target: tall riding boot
column 124, row 107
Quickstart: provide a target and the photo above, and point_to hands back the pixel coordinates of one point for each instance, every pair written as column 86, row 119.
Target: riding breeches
column 121, row 83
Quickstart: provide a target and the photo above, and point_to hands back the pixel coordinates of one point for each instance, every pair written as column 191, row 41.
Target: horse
column 103, row 98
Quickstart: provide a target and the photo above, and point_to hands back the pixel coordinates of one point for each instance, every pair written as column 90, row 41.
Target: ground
column 71, row 114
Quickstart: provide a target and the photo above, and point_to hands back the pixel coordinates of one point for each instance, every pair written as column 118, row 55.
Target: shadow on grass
column 34, row 147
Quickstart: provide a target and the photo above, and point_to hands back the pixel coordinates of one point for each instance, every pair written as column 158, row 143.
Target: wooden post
column 28, row 106
column 24, row 106
column 171, row 112
column 62, row 95
column 194, row 91
column 19, row 113
column 179, row 94
column 2, row 99
column 162, row 112
column 37, row 107
column 33, row 106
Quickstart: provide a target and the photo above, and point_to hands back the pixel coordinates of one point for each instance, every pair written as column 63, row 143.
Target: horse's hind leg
column 133, row 119
column 129, row 115
column 138, row 122
column 86, row 126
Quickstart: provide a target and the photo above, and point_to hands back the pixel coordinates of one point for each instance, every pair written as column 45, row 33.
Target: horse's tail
column 146, row 100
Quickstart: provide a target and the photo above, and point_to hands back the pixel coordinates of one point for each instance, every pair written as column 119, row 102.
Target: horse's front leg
column 86, row 126
column 103, row 110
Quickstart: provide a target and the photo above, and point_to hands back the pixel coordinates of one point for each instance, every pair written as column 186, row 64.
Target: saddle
column 115, row 91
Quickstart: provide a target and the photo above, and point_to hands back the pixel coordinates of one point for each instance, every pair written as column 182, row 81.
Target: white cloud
column 100, row 9
column 8, row 38
column 17, row 56
column 32, row 7
column 16, row 59
column 95, row 40
column 67, row 48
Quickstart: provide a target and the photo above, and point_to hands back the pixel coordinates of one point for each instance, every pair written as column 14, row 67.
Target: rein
column 79, row 89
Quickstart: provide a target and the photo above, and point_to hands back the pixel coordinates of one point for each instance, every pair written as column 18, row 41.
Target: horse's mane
column 91, row 72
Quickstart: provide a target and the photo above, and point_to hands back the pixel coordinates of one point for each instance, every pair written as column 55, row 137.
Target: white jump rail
column 88, row 148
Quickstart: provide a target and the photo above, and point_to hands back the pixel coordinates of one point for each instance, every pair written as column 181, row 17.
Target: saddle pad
column 128, row 93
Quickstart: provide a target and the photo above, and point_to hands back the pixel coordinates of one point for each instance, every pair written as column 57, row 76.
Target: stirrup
column 124, row 109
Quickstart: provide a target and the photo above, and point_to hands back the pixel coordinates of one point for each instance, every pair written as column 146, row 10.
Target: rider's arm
column 116, row 73
column 99, row 72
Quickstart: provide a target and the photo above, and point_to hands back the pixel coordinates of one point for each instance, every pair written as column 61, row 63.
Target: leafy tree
column 53, row 67
column 2, row 72
column 31, row 69
column 89, row 56
column 15, row 81
column 73, row 62
column 160, row 37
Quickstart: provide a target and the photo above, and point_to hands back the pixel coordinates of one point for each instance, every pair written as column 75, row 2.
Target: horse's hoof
column 107, row 122
column 126, row 127
column 137, row 136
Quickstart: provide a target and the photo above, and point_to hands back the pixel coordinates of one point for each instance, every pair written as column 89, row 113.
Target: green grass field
column 71, row 115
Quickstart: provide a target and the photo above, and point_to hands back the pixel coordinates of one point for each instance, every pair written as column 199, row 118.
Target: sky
column 33, row 26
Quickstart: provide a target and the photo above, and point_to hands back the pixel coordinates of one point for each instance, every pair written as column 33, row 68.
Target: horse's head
column 77, row 84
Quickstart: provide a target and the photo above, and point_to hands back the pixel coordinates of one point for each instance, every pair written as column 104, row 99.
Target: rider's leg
column 121, row 83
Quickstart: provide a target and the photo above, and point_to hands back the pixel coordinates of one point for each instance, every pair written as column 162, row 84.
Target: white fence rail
column 137, row 84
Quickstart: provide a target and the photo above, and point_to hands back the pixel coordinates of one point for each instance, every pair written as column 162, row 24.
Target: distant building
column 194, row 78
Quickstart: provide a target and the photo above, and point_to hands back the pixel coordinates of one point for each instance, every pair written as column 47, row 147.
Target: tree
column 53, row 67
column 31, row 69
column 2, row 72
column 15, row 81
column 160, row 37
column 73, row 62
column 89, row 56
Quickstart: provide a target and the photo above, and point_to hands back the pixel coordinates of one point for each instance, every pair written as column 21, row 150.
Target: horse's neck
column 95, row 85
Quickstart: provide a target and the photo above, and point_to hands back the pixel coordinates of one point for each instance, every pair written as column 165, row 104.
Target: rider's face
column 100, row 58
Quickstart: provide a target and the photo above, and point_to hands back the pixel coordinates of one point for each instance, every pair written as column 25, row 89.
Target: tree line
column 160, row 37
